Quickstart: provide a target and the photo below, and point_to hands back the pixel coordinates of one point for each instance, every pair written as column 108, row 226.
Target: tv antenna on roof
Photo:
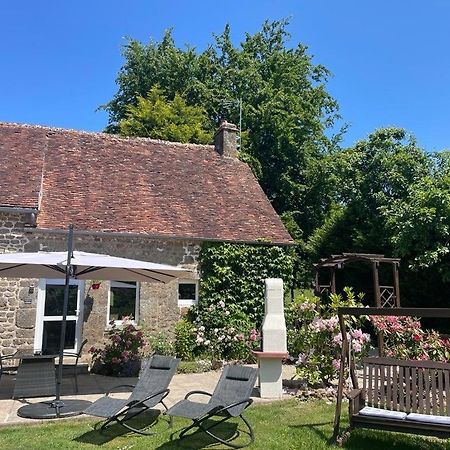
column 231, row 103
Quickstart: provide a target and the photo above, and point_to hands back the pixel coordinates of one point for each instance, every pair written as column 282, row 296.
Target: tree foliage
column 419, row 224
column 173, row 120
column 366, row 179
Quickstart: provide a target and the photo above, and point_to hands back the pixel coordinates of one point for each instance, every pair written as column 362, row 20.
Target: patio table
column 36, row 376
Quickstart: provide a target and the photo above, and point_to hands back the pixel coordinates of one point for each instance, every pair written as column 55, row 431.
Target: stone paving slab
column 92, row 386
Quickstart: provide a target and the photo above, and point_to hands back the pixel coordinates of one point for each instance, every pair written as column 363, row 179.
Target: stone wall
column 18, row 297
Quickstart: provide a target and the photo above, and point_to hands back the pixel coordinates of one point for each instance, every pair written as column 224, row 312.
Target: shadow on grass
column 227, row 431
column 315, row 428
column 146, row 422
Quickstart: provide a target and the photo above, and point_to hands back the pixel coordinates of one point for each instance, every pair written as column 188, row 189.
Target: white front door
column 49, row 316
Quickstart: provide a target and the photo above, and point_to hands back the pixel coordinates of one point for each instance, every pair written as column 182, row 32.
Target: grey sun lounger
column 151, row 389
column 229, row 399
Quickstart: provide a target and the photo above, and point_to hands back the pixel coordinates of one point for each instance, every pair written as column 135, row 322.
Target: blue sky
column 390, row 59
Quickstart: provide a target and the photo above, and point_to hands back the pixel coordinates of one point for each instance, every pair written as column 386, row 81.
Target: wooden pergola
column 385, row 296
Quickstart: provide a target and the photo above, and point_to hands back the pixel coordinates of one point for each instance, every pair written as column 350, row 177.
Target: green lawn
column 282, row 425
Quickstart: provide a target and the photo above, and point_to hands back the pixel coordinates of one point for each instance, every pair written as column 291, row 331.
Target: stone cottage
column 135, row 198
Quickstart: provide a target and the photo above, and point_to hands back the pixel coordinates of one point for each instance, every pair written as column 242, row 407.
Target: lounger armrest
column 119, row 386
column 136, row 403
column 249, row 401
column 353, row 394
column 162, row 391
column 196, row 392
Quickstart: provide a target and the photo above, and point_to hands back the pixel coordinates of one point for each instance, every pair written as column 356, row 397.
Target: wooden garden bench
column 402, row 395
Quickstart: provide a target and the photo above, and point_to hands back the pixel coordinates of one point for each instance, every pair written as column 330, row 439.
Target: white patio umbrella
column 85, row 266
column 81, row 266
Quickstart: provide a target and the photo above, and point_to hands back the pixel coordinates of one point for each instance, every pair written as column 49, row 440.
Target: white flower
column 227, row 313
column 206, row 342
column 222, row 304
column 199, row 340
column 216, row 330
column 202, row 328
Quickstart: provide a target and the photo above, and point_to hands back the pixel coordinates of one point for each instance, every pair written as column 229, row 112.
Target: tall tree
column 366, row 179
column 286, row 110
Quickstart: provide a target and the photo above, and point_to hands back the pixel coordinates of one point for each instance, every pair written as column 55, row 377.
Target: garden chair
column 77, row 357
column 229, row 399
column 151, row 389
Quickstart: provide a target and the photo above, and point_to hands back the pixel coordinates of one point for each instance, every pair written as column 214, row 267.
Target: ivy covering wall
column 235, row 273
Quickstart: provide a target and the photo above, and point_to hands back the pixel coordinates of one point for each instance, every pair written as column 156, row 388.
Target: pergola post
column 333, row 279
column 396, row 284
column 376, row 284
column 317, row 286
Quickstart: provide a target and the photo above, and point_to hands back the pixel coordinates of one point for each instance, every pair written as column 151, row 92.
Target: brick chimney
column 225, row 140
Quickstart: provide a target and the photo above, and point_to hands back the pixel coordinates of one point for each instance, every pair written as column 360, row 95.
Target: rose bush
column 121, row 355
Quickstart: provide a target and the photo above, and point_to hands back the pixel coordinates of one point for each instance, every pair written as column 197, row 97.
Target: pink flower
column 337, row 340
column 417, row 337
column 357, row 334
column 356, row 346
column 241, row 337
column 336, row 364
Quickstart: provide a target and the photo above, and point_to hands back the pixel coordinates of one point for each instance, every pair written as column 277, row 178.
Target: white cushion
column 428, row 418
column 382, row 413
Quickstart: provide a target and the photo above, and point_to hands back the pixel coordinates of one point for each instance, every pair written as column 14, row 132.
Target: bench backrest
column 405, row 385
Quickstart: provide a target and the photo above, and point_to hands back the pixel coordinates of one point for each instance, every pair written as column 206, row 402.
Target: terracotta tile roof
column 102, row 182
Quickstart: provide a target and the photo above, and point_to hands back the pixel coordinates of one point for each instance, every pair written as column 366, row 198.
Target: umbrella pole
column 58, row 404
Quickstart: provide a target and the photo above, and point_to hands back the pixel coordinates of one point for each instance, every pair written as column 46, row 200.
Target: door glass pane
column 54, row 298
column 122, row 301
column 52, row 333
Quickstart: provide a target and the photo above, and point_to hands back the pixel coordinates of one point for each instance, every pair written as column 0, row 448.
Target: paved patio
column 91, row 387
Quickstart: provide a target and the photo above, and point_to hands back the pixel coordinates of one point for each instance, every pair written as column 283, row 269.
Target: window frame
column 183, row 302
column 118, row 283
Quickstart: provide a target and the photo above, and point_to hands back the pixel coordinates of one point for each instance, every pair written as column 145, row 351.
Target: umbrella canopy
column 86, row 266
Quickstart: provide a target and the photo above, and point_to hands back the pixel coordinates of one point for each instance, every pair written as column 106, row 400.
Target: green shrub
column 184, row 339
column 160, row 344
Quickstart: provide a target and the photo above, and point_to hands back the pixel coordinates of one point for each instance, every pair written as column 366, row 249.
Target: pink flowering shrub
column 315, row 340
column 404, row 338
column 121, row 355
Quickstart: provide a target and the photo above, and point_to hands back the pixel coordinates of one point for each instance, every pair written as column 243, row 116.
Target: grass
column 288, row 425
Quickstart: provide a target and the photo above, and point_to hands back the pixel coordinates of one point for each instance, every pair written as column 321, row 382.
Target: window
column 123, row 301
column 187, row 292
